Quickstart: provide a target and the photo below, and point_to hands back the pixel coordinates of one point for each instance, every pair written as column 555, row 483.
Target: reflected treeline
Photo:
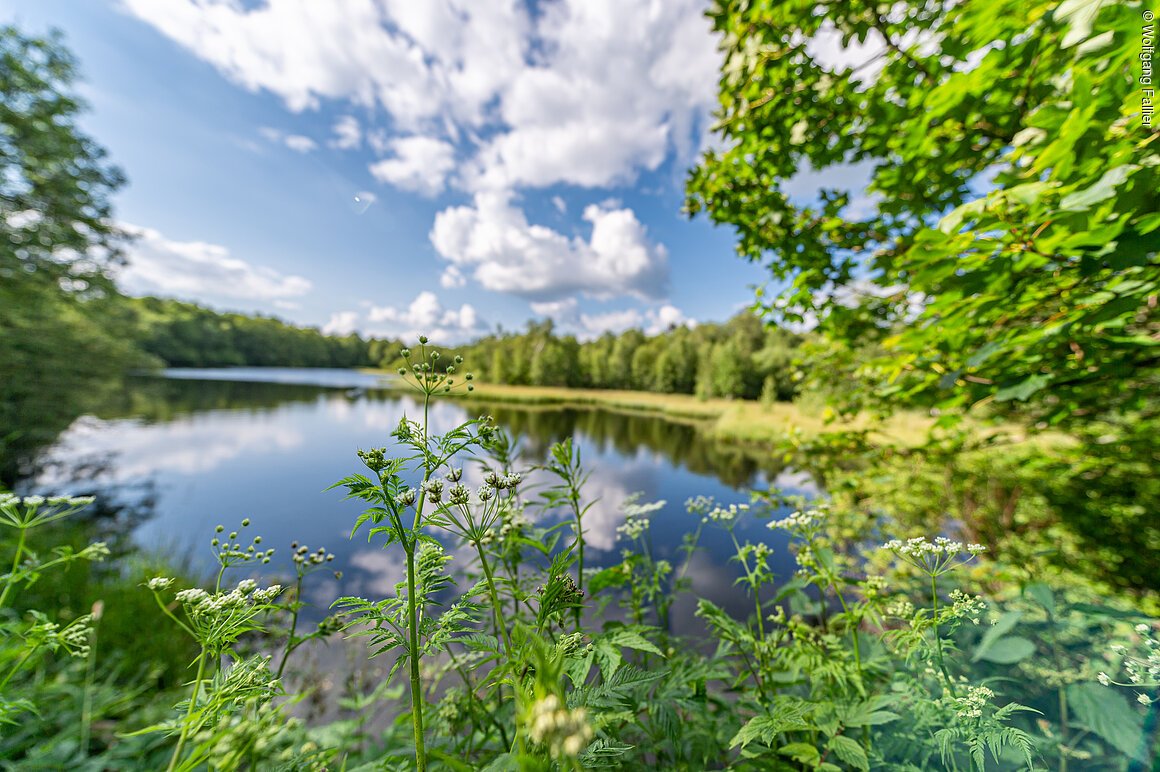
column 32, row 418
column 681, row 444
column 161, row 399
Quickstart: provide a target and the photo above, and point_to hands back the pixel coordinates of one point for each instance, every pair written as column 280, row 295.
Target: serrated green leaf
column 849, row 751
column 1002, row 626
column 1106, row 712
column 1009, row 650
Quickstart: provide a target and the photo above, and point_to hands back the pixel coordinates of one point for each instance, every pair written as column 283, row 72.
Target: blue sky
column 392, row 167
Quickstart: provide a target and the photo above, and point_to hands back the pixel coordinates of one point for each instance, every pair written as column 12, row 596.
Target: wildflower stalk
column 751, row 579
column 496, row 608
column 20, row 539
column 290, row 645
column 938, row 636
column 185, row 724
column 412, row 602
column 90, row 674
column 416, row 685
column 16, row 668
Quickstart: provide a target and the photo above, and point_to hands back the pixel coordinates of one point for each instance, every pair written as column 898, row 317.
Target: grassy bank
column 728, row 420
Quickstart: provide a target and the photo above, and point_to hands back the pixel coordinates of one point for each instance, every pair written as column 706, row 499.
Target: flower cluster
column 565, row 732
column 636, row 516
column 433, row 489
column 971, row 705
column 73, row 638
column 569, row 643
column 230, row 551
column 428, row 373
column 700, row 505
column 632, row 528
column 900, row 608
column 33, row 502
column 727, row 514
column 967, row 606
column 760, row 552
column 304, row 558
column 199, row 603
column 96, row 551
column 799, row 522
column 33, row 511
column 375, row 459
column 570, row 592
column 459, row 495
column 934, row 558
column 509, row 482
column 1143, row 670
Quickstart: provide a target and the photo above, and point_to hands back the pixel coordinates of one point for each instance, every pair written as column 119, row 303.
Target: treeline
column 742, row 358
column 181, row 334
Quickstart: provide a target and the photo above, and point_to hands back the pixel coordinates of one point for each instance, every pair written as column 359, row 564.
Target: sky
column 395, row 167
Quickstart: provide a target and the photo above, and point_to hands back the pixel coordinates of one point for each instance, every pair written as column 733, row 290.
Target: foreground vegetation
column 876, row 653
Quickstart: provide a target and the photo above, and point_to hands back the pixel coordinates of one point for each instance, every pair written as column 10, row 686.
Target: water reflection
column 216, row 451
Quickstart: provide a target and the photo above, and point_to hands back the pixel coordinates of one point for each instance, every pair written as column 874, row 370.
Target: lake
column 187, row 450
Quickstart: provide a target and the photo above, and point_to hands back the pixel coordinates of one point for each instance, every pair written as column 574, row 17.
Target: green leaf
column 1106, row 712
column 1042, row 595
column 1008, row 651
column 1001, row 627
column 786, row 714
column 634, row 640
column 1102, row 190
column 1022, row 390
column 849, row 751
column 803, row 753
column 871, row 712
column 954, row 220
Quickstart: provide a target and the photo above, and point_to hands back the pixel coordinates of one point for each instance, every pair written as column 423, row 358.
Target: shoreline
column 741, row 422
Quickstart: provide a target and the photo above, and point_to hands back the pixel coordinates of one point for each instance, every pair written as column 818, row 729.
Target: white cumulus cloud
column 296, row 142
column 493, row 240
column 347, row 133
column 420, row 164
column 199, row 269
column 651, row 320
column 341, row 323
column 425, row 315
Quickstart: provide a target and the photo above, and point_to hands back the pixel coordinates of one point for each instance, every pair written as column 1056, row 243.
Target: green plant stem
column 201, row 658
column 16, row 667
column 749, row 577
column 170, row 614
column 938, row 637
column 290, row 645
column 15, row 565
column 87, row 698
column 416, row 684
column 496, row 609
column 575, row 499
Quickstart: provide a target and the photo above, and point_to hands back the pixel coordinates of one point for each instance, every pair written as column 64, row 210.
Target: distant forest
column 182, row 334
column 742, row 358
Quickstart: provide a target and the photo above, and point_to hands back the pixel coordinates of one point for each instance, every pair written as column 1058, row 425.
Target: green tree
column 62, row 327
column 1012, row 241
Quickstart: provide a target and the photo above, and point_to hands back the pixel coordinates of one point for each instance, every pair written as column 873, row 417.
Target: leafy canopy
column 1010, row 254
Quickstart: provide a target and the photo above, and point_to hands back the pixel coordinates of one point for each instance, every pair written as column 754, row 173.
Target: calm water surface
column 196, row 448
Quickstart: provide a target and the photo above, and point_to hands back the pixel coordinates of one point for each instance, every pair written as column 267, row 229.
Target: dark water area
column 189, row 450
